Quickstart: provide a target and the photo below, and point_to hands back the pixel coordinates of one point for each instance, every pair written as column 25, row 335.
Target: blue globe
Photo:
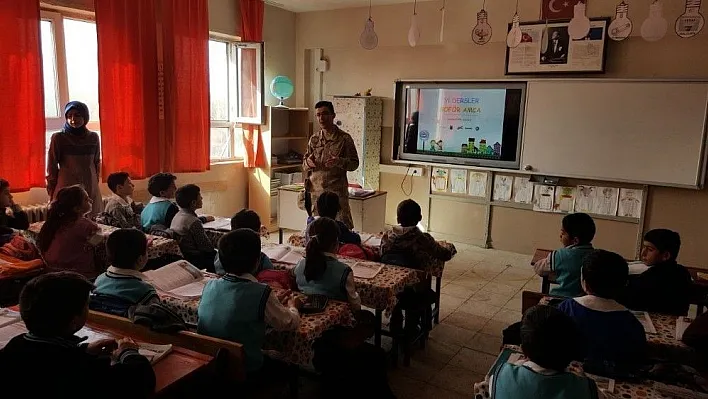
column 282, row 88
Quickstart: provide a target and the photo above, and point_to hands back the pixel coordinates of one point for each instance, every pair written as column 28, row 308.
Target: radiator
column 38, row 212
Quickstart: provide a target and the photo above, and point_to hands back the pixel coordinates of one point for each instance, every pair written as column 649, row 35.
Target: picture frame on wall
column 546, row 48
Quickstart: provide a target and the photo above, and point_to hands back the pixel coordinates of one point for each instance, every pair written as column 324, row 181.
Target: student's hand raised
column 102, row 347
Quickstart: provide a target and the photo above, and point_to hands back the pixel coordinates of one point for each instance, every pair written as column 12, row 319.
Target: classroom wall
column 353, row 69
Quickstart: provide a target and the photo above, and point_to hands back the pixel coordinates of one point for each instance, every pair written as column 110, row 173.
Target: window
column 236, row 94
column 70, row 68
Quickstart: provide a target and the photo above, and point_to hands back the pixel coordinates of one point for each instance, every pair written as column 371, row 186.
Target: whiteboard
column 648, row 132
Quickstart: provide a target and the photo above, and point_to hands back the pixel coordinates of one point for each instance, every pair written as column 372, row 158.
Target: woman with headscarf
column 75, row 156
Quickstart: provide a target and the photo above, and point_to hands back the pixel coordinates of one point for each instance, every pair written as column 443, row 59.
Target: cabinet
column 361, row 117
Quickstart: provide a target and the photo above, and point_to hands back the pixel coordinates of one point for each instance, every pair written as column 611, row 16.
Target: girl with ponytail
column 67, row 239
column 320, row 272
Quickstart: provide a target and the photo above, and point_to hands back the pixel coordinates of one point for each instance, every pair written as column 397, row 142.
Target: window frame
column 234, row 95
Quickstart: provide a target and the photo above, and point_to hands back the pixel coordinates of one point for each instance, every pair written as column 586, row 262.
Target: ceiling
column 318, row 5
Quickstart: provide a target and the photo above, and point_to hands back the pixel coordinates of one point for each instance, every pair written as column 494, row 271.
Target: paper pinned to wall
column 438, row 180
column 478, row 184
column 606, row 200
column 585, row 197
column 523, row 190
column 458, row 181
column 630, row 203
column 502, row 188
column 543, row 197
column 565, row 200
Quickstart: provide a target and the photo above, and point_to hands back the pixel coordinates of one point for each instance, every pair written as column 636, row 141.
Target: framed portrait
column 548, row 48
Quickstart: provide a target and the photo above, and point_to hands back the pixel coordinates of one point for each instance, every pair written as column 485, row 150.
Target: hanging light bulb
column 414, row 31
column 513, row 38
column 482, row 32
column 579, row 26
column 621, row 27
column 442, row 21
column 368, row 38
column 691, row 21
column 655, row 26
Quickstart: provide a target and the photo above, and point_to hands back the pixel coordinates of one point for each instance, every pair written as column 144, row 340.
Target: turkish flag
column 558, row 9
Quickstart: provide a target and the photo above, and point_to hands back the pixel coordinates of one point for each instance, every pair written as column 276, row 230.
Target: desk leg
column 377, row 328
column 545, row 285
column 438, row 283
column 280, row 235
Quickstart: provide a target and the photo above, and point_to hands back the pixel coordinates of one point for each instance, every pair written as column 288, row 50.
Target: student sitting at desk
column 11, row 215
column 51, row 361
column 122, row 285
column 246, row 219
column 328, row 206
column 68, row 238
column 665, row 286
column 577, row 232
column 236, row 307
column 121, row 211
column 548, row 339
column 159, row 212
column 615, row 341
column 193, row 241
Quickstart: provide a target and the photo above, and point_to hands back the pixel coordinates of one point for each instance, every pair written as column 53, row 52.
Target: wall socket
column 418, row 172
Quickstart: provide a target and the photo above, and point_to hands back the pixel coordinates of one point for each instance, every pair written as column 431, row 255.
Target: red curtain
column 185, row 32
column 252, row 31
column 128, row 88
column 22, row 142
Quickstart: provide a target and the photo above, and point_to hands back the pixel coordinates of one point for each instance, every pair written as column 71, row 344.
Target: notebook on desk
column 283, row 254
column 366, row 270
column 221, row 224
column 180, row 279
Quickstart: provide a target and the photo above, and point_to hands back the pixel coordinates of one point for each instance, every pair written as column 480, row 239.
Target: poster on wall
column 523, row 190
column 565, row 200
column 458, row 181
column 502, row 188
column 543, row 197
column 438, row 180
column 558, row 9
column 585, row 197
column 548, row 48
column 606, row 201
column 478, row 184
column 630, row 203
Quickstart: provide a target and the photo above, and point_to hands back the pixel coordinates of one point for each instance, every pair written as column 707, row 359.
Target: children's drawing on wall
column 438, row 180
column 502, row 188
column 565, row 200
column 543, row 198
column 585, row 196
column 523, row 190
column 630, row 203
column 605, row 202
column 478, row 184
column 458, row 181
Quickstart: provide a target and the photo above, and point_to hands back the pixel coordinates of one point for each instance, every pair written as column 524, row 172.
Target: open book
column 283, row 254
column 370, row 240
column 180, row 279
column 222, row 224
column 366, row 270
column 152, row 352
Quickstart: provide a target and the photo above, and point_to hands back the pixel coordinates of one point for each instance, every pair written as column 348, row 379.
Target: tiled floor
column 481, row 295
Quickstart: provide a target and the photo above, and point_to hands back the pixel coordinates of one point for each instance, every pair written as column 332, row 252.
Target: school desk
column 158, row 247
column 220, row 226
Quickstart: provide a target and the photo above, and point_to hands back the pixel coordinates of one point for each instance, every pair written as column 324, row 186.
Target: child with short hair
column 160, row 211
column 194, row 243
column 236, row 307
column 246, row 219
column 320, row 272
column 127, row 255
column 615, row 340
column 549, row 340
column 121, row 211
column 68, row 238
column 328, row 206
column 666, row 285
column 54, row 307
column 11, row 215
column 577, row 233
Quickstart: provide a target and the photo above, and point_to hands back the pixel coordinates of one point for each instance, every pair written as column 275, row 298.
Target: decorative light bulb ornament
column 482, row 32
column 368, row 38
column 442, row 21
column 691, row 21
column 654, row 28
column 579, row 26
column 414, row 31
column 513, row 38
column 621, row 27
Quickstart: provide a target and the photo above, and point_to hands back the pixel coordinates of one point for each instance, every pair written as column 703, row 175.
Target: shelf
column 278, row 167
column 289, row 138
